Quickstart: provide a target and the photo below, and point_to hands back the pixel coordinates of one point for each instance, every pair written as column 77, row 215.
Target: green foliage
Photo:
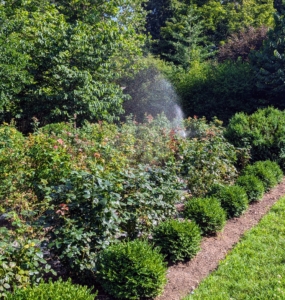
column 177, row 240
column 263, row 131
column 95, row 185
column 82, row 215
column 265, row 172
column 216, row 90
column 148, row 196
column 63, row 290
column 233, row 199
column 181, row 39
column 88, row 211
column 21, row 257
column 11, row 156
column 244, row 273
column 67, row 69
column 240, row 44
column 275, row 168
column 268, row 64
column 207, row 158
column 131, row 270
column 218, row 19
column 207, row 213
column 224, row 18
column 252, row 185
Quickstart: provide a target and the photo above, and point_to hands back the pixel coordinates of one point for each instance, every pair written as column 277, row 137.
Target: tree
column 177, row 31
column 269, row 63
column 182, row 39
column 219, row 19
column 222, row 18
column 158, row 12
column 70, row 63
column 241, row 43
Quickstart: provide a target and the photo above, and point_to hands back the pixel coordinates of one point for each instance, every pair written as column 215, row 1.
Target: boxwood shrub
column 233, row 200
column 264, row 172
column 253, row 187
column 207, row 213
column 178, row 240
column 63, row 290
column 275, row 168
column 131, row 270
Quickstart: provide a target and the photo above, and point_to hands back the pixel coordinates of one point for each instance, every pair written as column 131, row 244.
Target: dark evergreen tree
column 269, row 64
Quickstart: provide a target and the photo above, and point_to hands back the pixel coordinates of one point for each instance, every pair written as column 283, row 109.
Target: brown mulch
column 183, row 278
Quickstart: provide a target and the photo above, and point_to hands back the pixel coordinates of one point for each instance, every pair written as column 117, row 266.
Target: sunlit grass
column 255, row 268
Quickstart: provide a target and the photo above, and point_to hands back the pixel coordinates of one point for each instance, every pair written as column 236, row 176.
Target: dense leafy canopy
column 64, row 63
column 269, row 64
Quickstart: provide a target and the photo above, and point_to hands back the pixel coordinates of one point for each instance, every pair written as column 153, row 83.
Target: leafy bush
column 217, row 90
column 240, row 44
column 21, row 259
column 148, row 196
column 252, row 185
column 63, row 290
column 57, row 128
column 82, row 216
column 88, row 211
column 233, row 200
column 275, row 168
column 178, row 240
column 12, row 153
column 207, row 213
column 264, row 172
column 263, row 131
column 131, row 270
column 207, row 158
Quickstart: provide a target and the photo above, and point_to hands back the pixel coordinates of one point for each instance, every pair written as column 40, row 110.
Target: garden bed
column 183, row 278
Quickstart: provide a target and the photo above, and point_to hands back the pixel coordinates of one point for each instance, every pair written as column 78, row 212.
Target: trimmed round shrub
column 262, row 171
column 214, row 189
column 233, row 200
column 63, row 290
column 253, row 187
column 132, row 270
column 275, row 168
column 207, row 213
column 178, row 240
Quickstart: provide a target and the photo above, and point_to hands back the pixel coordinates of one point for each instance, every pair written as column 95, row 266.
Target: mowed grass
column 255, row 268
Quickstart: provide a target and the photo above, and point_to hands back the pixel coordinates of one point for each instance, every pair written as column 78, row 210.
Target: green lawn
column 255, row 268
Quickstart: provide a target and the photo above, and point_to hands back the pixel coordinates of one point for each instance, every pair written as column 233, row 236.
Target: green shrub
column 131, row 270
column 63, row 290
column 21, row 258
column 207, row 213
column 275, row 168
column 217, row 90
column 233, row 200
column 207, row 158
column 89, row 211
column 58, row 129
column 178, row 240
column 253, row 187
column 263, row 131
column 261, row 170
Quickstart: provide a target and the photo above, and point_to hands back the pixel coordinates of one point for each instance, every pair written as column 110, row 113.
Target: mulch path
column 183, row 278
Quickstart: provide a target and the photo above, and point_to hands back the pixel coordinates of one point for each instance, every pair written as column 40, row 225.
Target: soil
column 183, row 278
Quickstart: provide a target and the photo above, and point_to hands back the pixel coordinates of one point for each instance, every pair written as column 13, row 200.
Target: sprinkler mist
column 152, row 94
